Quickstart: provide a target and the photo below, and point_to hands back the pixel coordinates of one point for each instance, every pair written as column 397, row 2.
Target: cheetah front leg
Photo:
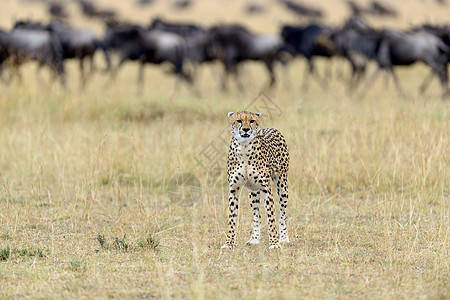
column 254, row 197
column 232, row 217
column 270, row 210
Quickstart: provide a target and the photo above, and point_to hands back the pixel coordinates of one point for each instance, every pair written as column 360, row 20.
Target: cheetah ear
column 230, row 114
column 258, row 114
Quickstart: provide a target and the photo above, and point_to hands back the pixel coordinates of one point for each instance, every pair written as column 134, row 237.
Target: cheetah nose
column 245, row 129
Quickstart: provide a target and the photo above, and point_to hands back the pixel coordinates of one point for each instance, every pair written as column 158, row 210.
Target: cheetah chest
column 250, row 170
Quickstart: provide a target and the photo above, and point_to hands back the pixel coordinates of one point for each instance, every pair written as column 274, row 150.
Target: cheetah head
column 244, row 125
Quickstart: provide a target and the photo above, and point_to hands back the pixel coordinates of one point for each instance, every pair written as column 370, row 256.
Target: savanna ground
column 110, row 193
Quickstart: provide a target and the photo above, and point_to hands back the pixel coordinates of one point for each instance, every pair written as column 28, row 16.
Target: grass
column 106, row 184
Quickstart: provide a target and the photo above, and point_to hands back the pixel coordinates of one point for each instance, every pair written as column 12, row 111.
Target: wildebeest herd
column 186, row 46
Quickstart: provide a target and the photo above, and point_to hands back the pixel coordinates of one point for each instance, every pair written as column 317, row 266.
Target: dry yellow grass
column 369, row 186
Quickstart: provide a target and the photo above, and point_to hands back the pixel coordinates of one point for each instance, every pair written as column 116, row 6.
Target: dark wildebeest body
column 183, row 29
column 304, row 41
column 233, row 44
column 79, row 44
column 32, row 43
column 133, row 42
column 390, row 48
column 358, row 43
column 196, row 40
column 403, row 49
column 443, row 33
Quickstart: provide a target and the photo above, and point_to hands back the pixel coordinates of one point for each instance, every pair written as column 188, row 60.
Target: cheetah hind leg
column 282, row 190
column 254, row 197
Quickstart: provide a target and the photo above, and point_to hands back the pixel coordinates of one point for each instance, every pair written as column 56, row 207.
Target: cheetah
column 257, row 156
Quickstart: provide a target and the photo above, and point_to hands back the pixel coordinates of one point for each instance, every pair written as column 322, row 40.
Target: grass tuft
column 8, row 253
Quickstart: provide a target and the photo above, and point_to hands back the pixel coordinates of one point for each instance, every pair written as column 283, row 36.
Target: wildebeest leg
column 444, row 80
column 359, row 75
column 224, row 82
column 1, row 73
column 233, row 69
column 39, row 74
column 193, row 80
column 92, row 65
column 397, row 83
column 14, row 72
column 426, row 83
column 115, row 70
column 182, row 73
column 226, row 73
column 286, row 77
column 313, row 73
column 307, row 75
column 368, row 83
column 59, row 70
column 82, row 74
column 353, row 78
column 269, row 66
column 140, row 80
column 441, row 71
column 230, row 69
column 320, row 79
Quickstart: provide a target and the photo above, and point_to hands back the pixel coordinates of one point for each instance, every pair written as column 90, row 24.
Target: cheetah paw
column 252, row 242
column 284, row 240
column 275, row 246
column 226, row 246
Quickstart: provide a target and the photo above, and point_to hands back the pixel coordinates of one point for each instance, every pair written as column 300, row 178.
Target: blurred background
column 258, row 15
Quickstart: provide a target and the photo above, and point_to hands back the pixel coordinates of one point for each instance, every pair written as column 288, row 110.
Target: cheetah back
column 274, row 150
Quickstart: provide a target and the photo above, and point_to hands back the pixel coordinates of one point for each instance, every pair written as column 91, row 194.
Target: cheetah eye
column 239, row 121
column 252, row 121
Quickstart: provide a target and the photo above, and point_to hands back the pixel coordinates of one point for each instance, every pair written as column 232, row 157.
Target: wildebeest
column 303, row 40
column 136, row 43
column 181, row 4
column 90, row 10
column 144, row 2
column 442, row 32
column 255, row 8
column 57, row 10
column 79, row 44
column 357, row 42
column 391, row 48
column 183, row 29
column 76, row 43
column 374, row 8
column 233, row 44
column 32, row 43
column 196, row 39
column 405, row 48
column 301, row 9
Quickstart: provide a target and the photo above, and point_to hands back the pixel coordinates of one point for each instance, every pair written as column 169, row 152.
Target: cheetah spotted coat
column 256, row 157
